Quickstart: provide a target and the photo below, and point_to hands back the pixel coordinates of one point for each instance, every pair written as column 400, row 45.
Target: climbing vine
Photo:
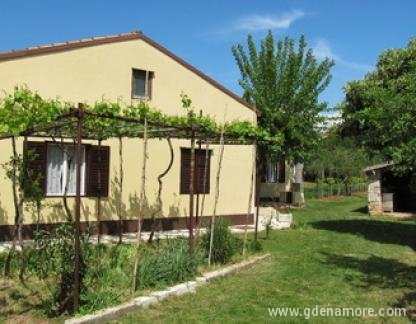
column 26, row 112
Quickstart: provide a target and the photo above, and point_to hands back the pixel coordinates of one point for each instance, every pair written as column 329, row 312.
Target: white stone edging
column 157, row 296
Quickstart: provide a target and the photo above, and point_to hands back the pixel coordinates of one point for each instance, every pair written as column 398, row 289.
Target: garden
column 62, row 272
column 334, row 255
column 106, row 271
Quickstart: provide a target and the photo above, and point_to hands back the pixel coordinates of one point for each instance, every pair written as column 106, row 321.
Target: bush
column 168, row 263
column 106, row 269
column 53, row 255
column 225, row 244
column 108, row 275
column 255, row 246
column 99, row 298
column 14, row 262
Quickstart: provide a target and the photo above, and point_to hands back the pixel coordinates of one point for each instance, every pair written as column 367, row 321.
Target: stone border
column 157, row 296
column 131, row 236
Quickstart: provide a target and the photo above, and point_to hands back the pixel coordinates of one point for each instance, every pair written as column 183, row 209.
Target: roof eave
column 136, row 35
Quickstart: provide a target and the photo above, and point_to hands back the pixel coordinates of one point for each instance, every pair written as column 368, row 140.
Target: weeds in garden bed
column 106, row 271
column 225, row 244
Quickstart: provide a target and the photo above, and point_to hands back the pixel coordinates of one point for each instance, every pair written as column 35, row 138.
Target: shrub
column 255, row 246
column 105, row 270
column 14, row 262
column 54, row 255
column 99, row 298
column 225, row 244
column 168, row 263
column 108, row 275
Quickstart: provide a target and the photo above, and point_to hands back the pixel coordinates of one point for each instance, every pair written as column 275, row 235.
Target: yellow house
column 124, row 68
column 128, row 68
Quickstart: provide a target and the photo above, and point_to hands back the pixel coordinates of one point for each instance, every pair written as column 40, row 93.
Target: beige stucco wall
column 92, row 73
column 104, row 71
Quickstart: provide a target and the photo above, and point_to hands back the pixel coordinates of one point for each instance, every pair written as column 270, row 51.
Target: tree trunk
column 64, row 197
column 159, row 192
column 217, row 193
column 99, row 196
column 299, row 173
column 250, row 200
column 141, row 208
column 120, row 202
column 17, row 216
column 204, row 182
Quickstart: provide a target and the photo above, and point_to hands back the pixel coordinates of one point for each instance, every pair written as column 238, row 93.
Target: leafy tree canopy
column 380, row 110
column 284, row 82
column 337, row 158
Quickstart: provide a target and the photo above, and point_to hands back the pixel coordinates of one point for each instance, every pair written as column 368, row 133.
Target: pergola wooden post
column 257, row 198
column 191, row 192
column 77, row 248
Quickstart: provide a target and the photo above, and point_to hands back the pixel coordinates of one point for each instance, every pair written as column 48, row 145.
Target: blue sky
column 352, row 32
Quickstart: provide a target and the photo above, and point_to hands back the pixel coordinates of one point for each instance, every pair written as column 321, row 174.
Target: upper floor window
column 142, row 84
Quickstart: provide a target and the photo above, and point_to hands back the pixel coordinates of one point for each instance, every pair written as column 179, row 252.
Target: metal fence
column 322, row 190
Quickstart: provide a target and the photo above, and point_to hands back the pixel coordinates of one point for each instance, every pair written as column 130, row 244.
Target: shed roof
column 385, row 165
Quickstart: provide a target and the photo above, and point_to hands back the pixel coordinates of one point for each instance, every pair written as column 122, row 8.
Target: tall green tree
column 380, row 110
column 284, row 81
column 337, row 157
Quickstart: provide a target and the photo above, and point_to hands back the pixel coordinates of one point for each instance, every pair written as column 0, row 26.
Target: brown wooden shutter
column 282, row 171
column 199, row 171
column 185, row 171
column 35, row 152
column 98, row 171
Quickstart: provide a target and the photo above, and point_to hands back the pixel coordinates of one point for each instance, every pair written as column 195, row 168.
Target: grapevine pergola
column 42, row 118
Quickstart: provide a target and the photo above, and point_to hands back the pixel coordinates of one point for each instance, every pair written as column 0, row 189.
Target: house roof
column 385, row 165
column 94, row 41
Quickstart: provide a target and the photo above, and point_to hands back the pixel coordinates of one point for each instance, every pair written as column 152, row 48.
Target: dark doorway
column 403, row 189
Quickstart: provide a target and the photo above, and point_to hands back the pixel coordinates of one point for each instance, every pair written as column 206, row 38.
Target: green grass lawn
column 335, row 256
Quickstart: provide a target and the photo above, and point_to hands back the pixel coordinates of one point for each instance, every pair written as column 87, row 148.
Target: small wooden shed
column 390, row 192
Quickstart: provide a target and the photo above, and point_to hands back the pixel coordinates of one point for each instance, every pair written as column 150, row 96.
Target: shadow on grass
column 382, row 273
column 361, row 210
column 375, row 230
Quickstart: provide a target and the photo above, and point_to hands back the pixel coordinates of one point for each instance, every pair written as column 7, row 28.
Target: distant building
column 332, row 117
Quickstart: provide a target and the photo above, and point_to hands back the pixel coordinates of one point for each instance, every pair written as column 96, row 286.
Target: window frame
column 148, row 84
column 282, row 171
column 270, row 163
column 37, row 168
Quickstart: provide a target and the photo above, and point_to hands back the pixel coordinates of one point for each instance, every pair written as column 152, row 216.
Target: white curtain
column 54, row 170
column 62, row 170
column 71, row 171
column 70, row 165
column 271, row 170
